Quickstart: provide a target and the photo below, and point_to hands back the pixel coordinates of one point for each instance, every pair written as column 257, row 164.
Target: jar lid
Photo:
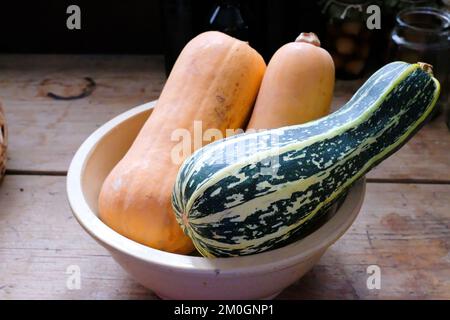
column 424, row 19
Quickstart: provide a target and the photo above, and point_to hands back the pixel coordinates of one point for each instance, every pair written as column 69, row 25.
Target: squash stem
column 428, row 68
column 308, row 37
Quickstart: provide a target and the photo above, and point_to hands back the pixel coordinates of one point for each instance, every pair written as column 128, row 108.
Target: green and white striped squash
column 254, row 192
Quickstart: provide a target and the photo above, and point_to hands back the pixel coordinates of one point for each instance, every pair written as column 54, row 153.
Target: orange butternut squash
column 297, row 86
column 215, row 80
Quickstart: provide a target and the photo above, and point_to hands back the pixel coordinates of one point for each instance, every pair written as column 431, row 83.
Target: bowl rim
column 275, row 259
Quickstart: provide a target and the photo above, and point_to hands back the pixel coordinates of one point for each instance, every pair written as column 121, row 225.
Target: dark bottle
column 228, row 18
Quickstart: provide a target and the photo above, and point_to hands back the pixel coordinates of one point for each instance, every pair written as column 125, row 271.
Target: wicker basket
column 3, row 143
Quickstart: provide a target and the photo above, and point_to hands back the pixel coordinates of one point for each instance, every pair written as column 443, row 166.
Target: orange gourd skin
column 215, row 80
column 297, row 87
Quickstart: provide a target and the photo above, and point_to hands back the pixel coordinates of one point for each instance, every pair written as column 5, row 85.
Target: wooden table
column 403, row 227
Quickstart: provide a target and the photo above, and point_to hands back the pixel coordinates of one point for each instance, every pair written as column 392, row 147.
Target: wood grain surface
column 53, row 103
column 45, row 132
column 402, row 228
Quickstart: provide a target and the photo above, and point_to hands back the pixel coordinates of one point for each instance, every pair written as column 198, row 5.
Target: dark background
column 165, row 26
column 140, row 26
column 131, row 26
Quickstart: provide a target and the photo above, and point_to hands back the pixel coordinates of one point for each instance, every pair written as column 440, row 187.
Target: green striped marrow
column 254, row 192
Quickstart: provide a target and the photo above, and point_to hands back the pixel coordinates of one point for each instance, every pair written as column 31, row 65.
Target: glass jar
column 391, row 9
column 347, row 37
column 396, row 6
column 422, row 34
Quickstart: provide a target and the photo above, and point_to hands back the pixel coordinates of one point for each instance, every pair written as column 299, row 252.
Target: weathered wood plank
column 425, row 157
column 40, row 239
column 45, row 132
column 404, row 229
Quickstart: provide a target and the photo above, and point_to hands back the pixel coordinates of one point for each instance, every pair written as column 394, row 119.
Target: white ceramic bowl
column 177, row 276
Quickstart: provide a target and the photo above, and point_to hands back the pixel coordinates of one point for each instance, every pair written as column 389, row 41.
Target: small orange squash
column 215, row 80
column 297, row 86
